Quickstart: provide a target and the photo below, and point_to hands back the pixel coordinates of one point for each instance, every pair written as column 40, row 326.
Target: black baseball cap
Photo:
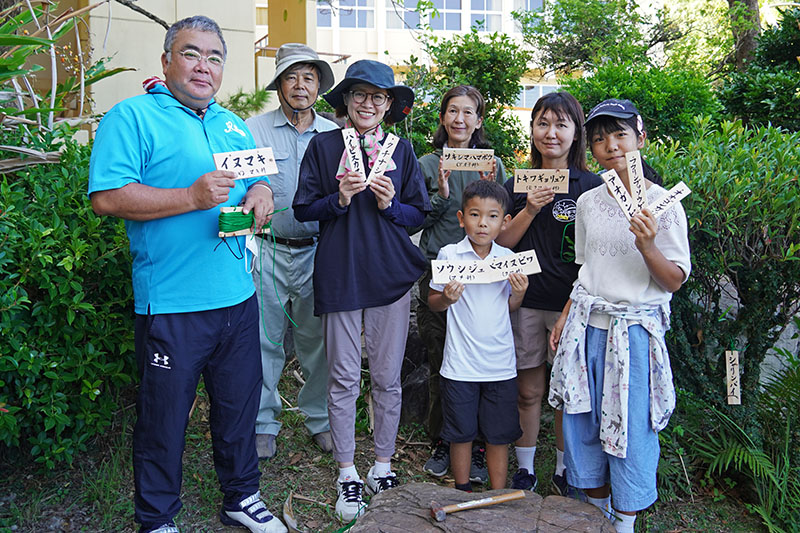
column 614, row 108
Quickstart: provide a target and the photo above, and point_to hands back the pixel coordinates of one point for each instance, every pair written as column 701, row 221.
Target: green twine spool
column 237, row 221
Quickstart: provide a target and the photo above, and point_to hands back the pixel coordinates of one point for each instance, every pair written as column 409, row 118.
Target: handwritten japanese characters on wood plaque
column 675, row 194
column 351, row 147
column 247, row 163
column 527, row 180
column 487, row 270
column 467, row 159
column 732, row 375
column 626, row 201
column 384, row 156
column 636, row 179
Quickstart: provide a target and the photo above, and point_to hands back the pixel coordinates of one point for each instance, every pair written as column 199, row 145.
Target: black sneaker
column 478, row 473
column 524, row 481
column 563, row 488
column 439, row 462
column 253, row 515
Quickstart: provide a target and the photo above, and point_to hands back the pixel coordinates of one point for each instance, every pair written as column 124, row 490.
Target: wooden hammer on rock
column 440, row 513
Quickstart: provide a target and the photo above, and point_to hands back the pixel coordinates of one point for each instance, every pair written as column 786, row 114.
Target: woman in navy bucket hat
column 365, row 263
column 380, row 76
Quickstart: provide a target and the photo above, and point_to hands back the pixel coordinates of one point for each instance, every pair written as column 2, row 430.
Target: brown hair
column 562, row 104
column 478, row 139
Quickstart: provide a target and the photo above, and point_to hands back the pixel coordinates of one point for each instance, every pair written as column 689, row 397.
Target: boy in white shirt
column 479, row 388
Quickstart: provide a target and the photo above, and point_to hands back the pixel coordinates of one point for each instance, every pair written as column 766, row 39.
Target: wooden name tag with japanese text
column 247, row 163
column 354, row 160
column 627, row 203
column 486, row 270
column 467, row 159
column 530, row 179
column 732, row 375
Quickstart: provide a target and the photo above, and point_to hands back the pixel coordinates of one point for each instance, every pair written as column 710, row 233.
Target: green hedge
column 65, row 309
column 744, row 232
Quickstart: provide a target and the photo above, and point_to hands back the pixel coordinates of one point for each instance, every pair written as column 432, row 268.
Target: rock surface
column 406, row 509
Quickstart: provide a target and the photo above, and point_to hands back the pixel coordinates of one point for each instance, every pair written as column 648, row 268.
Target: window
column 346, row 14
column 324, row 15
column 486, row 15
column 356, row 13
column 449, row 16
column 529, row 94
column 262, row 16
column 402, row 14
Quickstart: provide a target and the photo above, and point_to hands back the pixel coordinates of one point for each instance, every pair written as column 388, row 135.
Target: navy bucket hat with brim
column 379, row 75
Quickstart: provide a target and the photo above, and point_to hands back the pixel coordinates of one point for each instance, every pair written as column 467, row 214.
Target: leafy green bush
column 769, row 91
column 669, row 98
column 744, row 233
column 65, row 309
column 492, row 63
column 569, row 35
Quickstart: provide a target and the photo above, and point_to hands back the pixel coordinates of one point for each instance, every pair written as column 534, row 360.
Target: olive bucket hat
column 293, row 53
column 379, row 75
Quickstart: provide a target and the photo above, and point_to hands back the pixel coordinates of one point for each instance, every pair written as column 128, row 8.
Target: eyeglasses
column 377, row 98
column 193, row 56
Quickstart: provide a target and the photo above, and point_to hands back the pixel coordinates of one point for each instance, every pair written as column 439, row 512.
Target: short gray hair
column 198, row 22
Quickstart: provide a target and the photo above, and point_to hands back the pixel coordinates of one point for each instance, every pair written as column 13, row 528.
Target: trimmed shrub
column 744, row 232
column 66, row 308
column 669, row 98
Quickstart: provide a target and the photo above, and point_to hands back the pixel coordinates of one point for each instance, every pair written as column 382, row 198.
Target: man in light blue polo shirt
column 196, row 312
column 283, row 272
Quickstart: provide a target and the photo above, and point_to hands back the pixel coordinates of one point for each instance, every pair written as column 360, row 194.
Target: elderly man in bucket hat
column 283, row 271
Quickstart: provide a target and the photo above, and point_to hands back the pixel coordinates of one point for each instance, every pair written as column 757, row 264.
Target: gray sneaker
column 478, row 473
column 266, row 445
column 439, row 462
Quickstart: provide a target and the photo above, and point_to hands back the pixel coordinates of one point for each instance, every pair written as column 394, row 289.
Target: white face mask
column 250, row 244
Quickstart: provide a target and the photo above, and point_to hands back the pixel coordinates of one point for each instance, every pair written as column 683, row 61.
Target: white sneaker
column 350, row 501
column 166, row 528
column 380, row 484
column 254, row 516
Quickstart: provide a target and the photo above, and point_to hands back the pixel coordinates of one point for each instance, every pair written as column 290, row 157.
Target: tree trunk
column 746, row 26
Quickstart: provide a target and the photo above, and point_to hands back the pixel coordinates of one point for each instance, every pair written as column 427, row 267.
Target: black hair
column 562, row 104
column 486, row 189
column 478, row 139
column 607, row 124
column 341, row 110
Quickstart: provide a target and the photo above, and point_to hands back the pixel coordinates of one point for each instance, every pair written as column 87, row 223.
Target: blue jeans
column 632, row 479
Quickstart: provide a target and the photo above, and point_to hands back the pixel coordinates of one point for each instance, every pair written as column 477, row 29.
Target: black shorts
column 490, row 406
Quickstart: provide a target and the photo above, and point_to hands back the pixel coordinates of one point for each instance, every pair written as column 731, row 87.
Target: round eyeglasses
column 193, row 56
column 377, row 98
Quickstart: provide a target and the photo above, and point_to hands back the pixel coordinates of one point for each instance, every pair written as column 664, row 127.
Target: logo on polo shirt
column 161, row 361
column 233, row 127
column 564, row 210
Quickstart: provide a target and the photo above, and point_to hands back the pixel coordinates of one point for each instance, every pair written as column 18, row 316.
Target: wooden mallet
column 440, row 513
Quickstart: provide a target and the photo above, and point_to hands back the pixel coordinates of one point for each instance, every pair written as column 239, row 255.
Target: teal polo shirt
column 179, row 263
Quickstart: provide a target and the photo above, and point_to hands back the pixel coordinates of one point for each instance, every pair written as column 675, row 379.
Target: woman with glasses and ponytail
column 365, row 265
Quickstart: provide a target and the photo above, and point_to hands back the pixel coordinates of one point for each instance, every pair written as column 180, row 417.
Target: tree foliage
column 744, row 232
column 569, row 35
column 492, row 63
column 669, row 98
column 768, row 92
column 65, row 296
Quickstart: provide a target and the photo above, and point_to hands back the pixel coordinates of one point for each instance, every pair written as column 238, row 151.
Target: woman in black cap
column 365, row 263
